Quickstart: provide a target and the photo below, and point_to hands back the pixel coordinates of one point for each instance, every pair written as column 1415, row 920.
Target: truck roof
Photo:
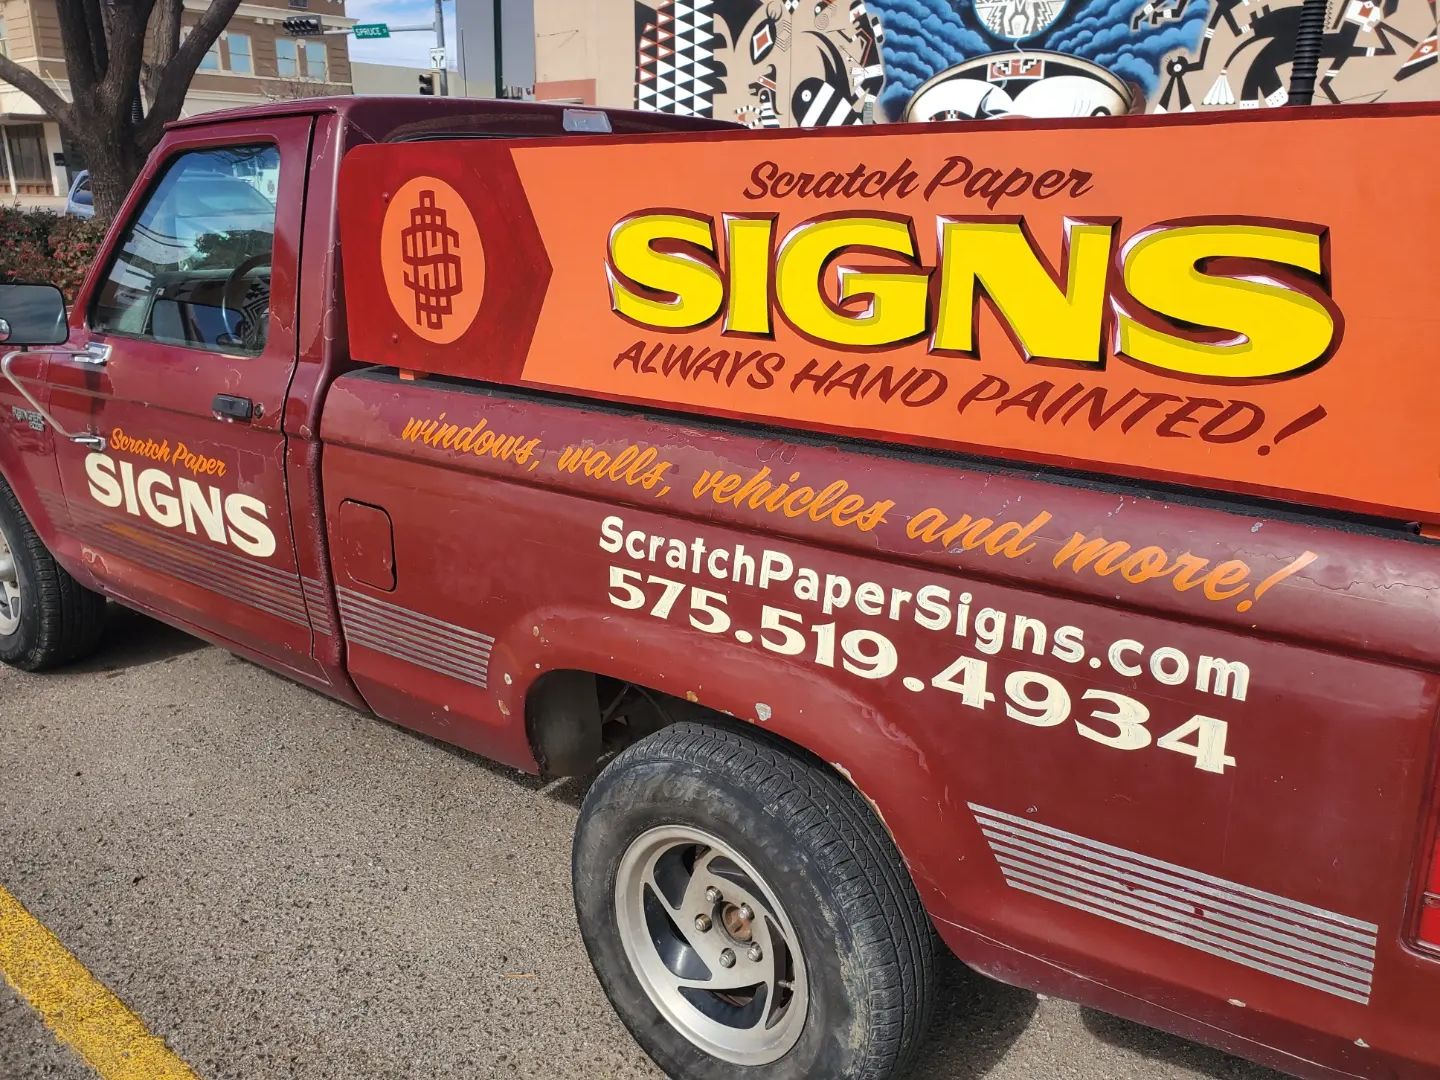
column 419, row 117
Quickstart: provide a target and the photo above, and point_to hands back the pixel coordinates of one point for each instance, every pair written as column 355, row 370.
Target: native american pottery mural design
column 825, row 63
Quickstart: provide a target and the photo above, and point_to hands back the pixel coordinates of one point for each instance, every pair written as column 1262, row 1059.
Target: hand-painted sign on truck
column 1060, row 293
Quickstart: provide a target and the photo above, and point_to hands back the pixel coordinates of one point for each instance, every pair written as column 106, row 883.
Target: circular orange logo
column 431, row 257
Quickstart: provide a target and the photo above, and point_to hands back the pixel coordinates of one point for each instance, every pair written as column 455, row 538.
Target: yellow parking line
column 76, row 1006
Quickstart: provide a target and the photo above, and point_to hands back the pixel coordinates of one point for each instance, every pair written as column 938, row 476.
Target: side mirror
column 32, row 315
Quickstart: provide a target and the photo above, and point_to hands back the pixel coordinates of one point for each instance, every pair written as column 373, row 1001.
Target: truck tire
column 46, row 616
column 712, row 857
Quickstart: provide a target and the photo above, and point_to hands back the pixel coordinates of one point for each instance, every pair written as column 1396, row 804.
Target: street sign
column 370, row 31
column 437, row 58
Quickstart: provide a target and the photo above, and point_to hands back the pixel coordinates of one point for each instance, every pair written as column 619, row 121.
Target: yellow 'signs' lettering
column 655, row 280
column 748, row 242
column 1049, row 319
column 1275, row 328
column 1220, row 300
column 892, row 304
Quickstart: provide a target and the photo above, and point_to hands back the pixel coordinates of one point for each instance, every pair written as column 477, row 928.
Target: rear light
column 1430, row 901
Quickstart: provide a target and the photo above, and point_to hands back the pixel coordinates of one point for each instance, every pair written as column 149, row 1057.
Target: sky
column 410, row 49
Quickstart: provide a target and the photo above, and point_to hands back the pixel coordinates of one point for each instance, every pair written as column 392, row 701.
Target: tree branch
column 125, row 27
column 27, row 82
column 79, row 55
column 169, row 91
column 166, row 36
column 97, row 20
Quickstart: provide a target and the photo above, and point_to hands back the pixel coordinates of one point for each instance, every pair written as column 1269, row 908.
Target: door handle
column 83, row 438
column 94, row 355
column 230, row 407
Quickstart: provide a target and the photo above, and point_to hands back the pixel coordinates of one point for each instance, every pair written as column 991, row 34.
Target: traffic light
column 427, row 83
column 301, row 26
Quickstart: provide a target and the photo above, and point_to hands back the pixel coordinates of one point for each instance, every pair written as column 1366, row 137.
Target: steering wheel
column 246, row 327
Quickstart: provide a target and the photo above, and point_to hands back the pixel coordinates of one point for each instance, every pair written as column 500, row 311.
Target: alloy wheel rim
column 10, row 595
column 711, row 946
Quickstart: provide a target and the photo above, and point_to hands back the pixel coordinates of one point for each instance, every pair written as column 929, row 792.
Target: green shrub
column 74, row 245
column 36, row 245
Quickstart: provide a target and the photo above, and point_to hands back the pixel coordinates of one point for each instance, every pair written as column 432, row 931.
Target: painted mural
column 814, row 63
column 785, row 63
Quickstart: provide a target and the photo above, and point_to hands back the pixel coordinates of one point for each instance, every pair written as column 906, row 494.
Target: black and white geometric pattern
column 759, row 116
column 676, row 71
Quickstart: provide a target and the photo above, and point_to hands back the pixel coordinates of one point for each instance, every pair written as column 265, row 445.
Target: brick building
column 254, row 60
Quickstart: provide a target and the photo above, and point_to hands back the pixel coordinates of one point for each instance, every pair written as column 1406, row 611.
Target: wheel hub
column 711, row 945
column 10, row 596
column 737, row 922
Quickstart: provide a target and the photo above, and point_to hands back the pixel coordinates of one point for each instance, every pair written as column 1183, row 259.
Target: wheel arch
column 571, row 723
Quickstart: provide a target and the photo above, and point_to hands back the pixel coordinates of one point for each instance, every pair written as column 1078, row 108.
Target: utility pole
column 499, row 53
column 440, row 45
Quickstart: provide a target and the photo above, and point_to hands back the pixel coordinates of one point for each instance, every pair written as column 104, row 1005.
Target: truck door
column 180, row 501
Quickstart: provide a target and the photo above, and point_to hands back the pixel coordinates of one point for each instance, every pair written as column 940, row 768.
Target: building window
column 32, row 163
column 4, row 49
column 211, row 60
column 238, row 46
column 317, row 61
column 287, row 62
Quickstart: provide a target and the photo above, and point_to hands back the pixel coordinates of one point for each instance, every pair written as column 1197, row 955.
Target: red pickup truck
column 992, row 530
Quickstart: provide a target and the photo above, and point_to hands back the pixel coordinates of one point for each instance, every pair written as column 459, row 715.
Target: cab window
column 193, row 267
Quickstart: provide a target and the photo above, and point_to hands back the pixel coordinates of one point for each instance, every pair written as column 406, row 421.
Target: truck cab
column 203, row 352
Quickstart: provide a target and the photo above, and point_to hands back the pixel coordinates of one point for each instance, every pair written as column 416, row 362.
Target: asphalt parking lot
column 279, row 886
